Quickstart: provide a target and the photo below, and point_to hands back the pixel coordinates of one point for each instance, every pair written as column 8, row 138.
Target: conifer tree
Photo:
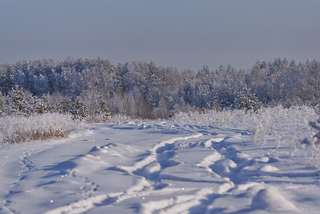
column 316, row 138
column 41, row 105
column 79, row 110
column 64, row 107
column 103, row 109
column 16, row 101
column 2, row 106
column 247, row 100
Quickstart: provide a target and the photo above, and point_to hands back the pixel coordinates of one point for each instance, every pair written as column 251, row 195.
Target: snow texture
column 157, row 167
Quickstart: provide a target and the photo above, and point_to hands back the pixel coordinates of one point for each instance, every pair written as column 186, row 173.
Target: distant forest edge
column 95, row 88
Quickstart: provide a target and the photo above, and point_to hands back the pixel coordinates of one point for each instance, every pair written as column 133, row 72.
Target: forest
column 95, row 88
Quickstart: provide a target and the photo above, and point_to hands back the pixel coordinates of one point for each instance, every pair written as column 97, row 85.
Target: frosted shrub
column 15, row 129
column 275, row 122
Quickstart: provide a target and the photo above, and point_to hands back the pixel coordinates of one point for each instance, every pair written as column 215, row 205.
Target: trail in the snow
column 159, row 158
column 168, row 170
column 156, row 168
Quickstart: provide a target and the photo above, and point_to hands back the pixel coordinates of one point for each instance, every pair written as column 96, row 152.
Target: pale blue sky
column 181, row 33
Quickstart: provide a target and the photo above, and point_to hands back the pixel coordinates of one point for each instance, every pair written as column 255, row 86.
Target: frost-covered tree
column 247, row 100
column 103, row 109
column 316, row 138
column 64, row 107
column 2, row 104
column 141, row 88
column 79, row 110
column 42, row 105
column 16, row 101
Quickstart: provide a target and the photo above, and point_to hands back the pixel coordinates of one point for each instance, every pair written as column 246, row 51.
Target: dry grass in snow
column 16, row 129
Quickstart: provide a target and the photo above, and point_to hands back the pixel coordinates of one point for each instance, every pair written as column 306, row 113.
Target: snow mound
column 269, row 168
column 271, row 200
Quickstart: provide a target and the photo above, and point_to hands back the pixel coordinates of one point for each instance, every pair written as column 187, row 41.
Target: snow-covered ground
column 158, row 167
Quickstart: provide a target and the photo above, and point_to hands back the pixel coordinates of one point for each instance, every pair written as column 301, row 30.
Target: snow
column 158, row 167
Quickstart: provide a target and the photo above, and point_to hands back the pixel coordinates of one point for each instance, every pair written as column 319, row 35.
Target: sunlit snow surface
column 157, row 168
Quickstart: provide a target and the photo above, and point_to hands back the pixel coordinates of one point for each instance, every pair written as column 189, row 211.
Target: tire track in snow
column 232, row 165
column 143, row 187
column 154, row 152
column 183, row 203
column 179, row 175
column 218, row 163
column 79, row 206
column 193, row 198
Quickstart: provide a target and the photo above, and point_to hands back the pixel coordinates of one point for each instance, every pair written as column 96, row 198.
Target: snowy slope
column 157, row 168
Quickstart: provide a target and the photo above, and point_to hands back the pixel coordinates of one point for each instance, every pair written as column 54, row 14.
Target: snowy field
column 162, row 167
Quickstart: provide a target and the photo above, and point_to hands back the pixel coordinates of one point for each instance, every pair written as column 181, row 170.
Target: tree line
column 95, row 88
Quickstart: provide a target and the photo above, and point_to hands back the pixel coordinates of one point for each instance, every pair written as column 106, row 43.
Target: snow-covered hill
column 157, row 168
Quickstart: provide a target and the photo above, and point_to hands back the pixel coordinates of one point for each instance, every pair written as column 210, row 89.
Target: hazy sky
column 181, row 33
